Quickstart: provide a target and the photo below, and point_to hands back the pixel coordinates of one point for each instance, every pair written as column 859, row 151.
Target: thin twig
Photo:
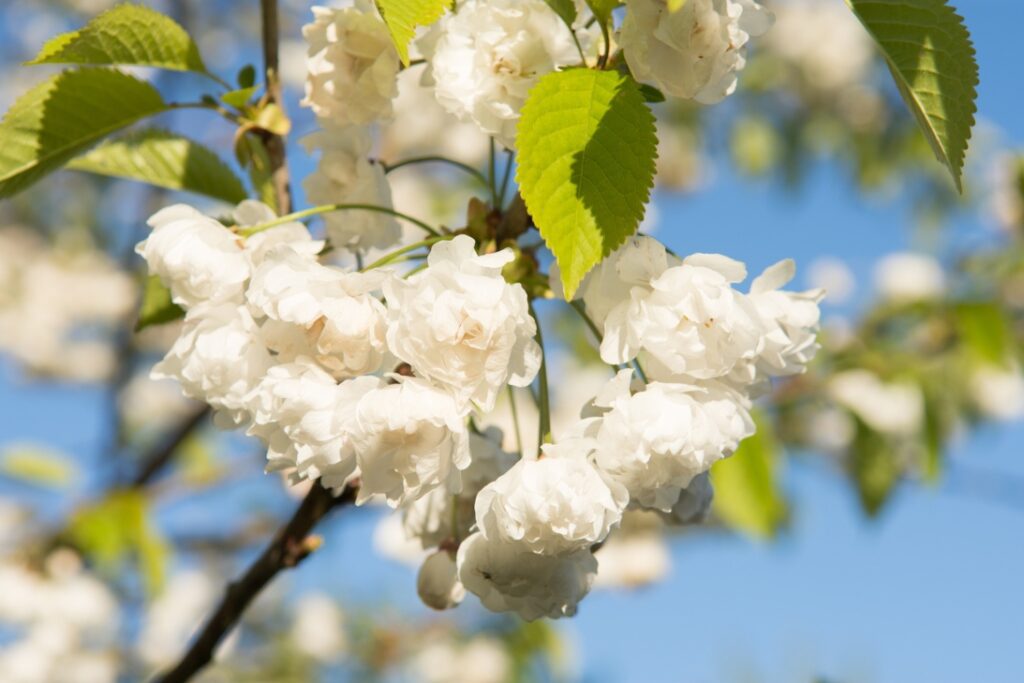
column 274, row 143
column 290, row 546
column 154, row 462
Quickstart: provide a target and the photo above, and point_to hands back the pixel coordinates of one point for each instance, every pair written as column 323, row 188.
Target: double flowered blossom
column 656, row 441
column 695, row 52
column 376, row 378
column 461, row 325
column 485, row 57
column 352, row 63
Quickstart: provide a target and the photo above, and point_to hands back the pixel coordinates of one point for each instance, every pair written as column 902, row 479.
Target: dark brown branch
column 153, row 463
column 274, row 143
column 290, row 546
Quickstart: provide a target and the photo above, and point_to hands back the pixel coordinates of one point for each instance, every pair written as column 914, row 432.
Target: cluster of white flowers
column 56, row 305
column 63, row 622
column 385, row 379
column 351, row 84
column 695, row 52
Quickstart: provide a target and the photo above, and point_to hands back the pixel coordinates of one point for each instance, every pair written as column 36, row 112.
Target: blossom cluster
column 380, row 378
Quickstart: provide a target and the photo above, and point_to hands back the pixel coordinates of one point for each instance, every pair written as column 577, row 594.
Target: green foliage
column 603, row 9
column 875, row 466
column 985, row 331
column 126, row 34
column 587, row 146
column 37, row 465
column 403, row 16
column 747, row 495
column 930, row 54
column 118, row 527
column 166, row 160
column 565, row 9
column 157, row 307
column 240, row 97
column 252, row 154
column 676, row 5
column 64, row 116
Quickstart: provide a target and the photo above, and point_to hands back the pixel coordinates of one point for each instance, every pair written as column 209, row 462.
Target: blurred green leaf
column 986, row 331
column 747, row 493
column 157, row 307
column 875, row 467
column 239, row 98
column 118, row 528
column 565, row 9
column 38, row 465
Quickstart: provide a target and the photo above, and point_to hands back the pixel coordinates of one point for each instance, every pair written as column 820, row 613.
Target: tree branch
column 274, row 143
column 158, row 459
column 290, row 546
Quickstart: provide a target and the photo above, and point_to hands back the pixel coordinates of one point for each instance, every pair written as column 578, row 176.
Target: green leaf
column 246, row 76
column 126, row 34
column 166, row 160
column 157, row 307
column 117, row 528
column 651, row 94
column 747, row 495
column 603, row 9
column 64, row 116
column 239, row 98
column 676, row 5
column 930, row 54
column 875, row 466
column 587, row 146
column 565, row 9
column 253, row 155
column 403, row 16
column 37, row 465
column 986, row 332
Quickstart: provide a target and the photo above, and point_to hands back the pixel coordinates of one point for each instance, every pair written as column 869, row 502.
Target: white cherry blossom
column 218, row 358
column 461, row 325
column 352, row 65
column 509, row 579
column 345, row 175
column 695, row 52
column 656, row 441
column 556, row 504
column 410, row 437
column 485, row 57
column 438, row 582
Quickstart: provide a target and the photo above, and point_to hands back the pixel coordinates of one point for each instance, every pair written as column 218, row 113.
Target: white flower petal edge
column 461, row 325
column 508, row 579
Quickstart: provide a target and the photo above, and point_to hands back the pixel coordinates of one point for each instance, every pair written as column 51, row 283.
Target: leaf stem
column 506, row 176
column 274, row 143
column 327, row 208
column 515, row 419
column 492, row 176
column 396, row 255
column 544, row 399
column 388, row 168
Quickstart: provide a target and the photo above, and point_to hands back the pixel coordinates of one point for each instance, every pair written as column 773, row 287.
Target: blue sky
column 931, row 591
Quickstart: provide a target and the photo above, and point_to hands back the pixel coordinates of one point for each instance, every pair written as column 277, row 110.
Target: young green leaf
column 157, row 307
column 930, row 54
column 240, row 97
column 603, row 9
column 64, row 116
column 165, row 160
column 747, row 494
column 587, row 146
column 126, row 34
column 876, row 468
column 565, row 9
column 403, row 16
column 676, row 5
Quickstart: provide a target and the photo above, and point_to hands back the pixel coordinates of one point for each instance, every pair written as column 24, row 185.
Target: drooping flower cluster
column 379, row 379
